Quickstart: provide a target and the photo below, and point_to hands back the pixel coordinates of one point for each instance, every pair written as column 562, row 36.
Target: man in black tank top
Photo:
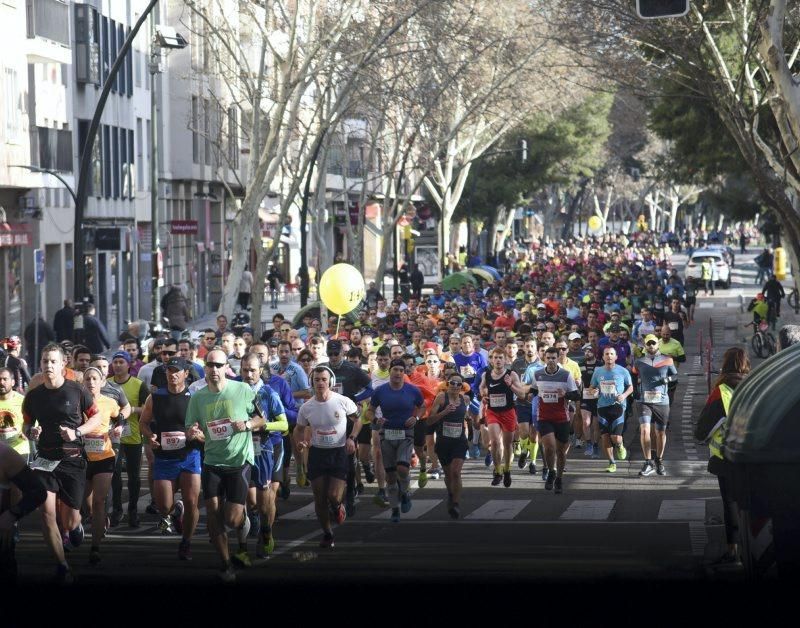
column 176, row 461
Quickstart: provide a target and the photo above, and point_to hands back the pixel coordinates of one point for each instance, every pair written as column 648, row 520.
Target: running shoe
column 115, row 518
column 106, row 526
column 133, row 519
column 266, row 547
column 422, row 480
column 488, row 460
column 63, row 575
column 241, row 559
column 496, row 479
column 589, row 451
column 380, row 499
column 611, row 468
column 341, row 514
column 622, row 453
column 517, row 449
column 558, row 486
column 395, row 515
column 177, row 516
column 165, row 526
column 255, row 522
column 327, row 542
column 185, row 550
column 227, row 573
column 435, row 473
column 151, row 509
column 454, row 511
column 532, row 467
column 475, row 452
column 647, row 469
column 578, row 443
column 549, row 480
column 65, row 542
column 405, row 502
column 76, row 536
column 523, row 458
column 369, row 474
column 660, row 468
column 507, row 478
column 545, row 470
column 94, row 556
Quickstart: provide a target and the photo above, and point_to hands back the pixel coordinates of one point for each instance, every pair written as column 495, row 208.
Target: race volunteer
column 219, row 416
column 401, row 404
column 613, row 385
column 11, row 421
column 555, row 388
column 322, row 427
column 355, row 384
column 64, row 412
column 30, row 491
column 655, row 372
column 176, row 461
column 268, row 451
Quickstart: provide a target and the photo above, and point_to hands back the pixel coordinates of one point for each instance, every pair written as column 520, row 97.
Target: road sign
column 38, row 266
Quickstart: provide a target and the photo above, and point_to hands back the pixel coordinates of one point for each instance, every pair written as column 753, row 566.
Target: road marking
column 682, row 510
column 305, row 513
column 499, row 509
column 589, row 509
column 419, row 507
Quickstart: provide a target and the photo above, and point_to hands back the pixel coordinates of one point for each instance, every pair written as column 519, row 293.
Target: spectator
column 64, row 321
column 274, row 280
column 175, row 308
column 245, row 289
column 417, row 281
column 95, row 334
column 46, row 336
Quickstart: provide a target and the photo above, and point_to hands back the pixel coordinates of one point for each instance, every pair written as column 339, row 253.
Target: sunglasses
column 561, row 348
column 209, row 338
column 454, row 382
column 332, row 353
column 169, row 353
column 305, row 359
column 216, row 365
column 651, row 342
column 285, row 329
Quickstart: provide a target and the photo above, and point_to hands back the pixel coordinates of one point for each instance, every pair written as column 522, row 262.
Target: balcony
column 51, row 149
column 47, row 31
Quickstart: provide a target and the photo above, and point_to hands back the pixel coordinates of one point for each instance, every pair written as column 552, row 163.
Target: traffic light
column 653, row 9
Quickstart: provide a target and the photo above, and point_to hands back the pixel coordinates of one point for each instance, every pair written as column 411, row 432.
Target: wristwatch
column 78, row 433
column 248, row 425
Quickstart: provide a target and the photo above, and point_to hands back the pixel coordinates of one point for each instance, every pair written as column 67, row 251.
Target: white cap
column 574, row 336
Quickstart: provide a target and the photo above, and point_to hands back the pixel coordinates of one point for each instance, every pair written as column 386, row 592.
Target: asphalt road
column 618, row 526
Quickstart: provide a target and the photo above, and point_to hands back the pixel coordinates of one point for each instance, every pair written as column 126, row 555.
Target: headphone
column 330, row 370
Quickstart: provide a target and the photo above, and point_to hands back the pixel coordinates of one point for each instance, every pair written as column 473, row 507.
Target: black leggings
column 729, row 512
column 133, row 458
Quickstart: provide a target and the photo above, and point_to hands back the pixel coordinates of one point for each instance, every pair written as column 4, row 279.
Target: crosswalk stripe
column 499, row 509
column 682, row 510
column 589, row 509
column 301, row 514
column 419, row 507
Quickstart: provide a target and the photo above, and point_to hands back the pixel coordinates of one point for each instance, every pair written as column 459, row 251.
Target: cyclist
column 774, row 293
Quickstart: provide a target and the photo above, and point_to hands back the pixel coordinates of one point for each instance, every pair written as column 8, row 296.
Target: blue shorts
column 535, row 413
column 170, row 469
column 267, row 465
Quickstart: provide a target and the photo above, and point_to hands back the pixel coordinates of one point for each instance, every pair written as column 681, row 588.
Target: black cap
column 615, row 328
column 333, row 346
column 273, row 342
column 177, row 363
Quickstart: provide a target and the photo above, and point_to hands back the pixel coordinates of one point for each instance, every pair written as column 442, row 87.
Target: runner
column 219, row 416
column 176, row 461
column 401, row 404
column 555, row 386
column 528, row 436
column 655, row 372
column 613, row 385
column 589, row 426
column 63, row 412
column 322, row 425
column 448, row 418
column 268, row 449
column 379, row 377
column 497, row 389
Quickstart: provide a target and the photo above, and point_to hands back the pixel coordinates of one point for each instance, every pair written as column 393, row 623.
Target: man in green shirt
column 674, row 349
column 219, row 415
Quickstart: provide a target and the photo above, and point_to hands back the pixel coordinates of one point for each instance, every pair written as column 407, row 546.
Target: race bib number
column 453, row 430
column 326, row 439
column 497, row 401
column 653, row 396
column 394, row 434
column 673, row 326
column 94, row 444
column 549, row 397
column 221, row 429
column 608, row 388
column 8, row 433
column 170, row 441
column 338, row 388
column 256, row 445
column 467, row 371
column 126, row 431
column 587, row 394
column 43, row 464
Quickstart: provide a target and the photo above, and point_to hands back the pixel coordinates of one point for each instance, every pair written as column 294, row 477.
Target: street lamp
column 162, row 37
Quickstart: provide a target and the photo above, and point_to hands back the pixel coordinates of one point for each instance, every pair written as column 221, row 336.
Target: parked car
column 727, row 251
column 694, row 266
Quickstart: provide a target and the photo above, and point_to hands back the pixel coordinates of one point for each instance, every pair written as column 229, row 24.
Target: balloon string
column 338, row 322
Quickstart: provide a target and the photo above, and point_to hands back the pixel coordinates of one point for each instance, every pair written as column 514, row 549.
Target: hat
column 177, row 363
column 333, row 346
column 431, row 345
column 124, row 355
column 587, row 346
column 650, row 337
column 273, row 342
column 574, row 336
column 248, row 330
column 541, row 306
column 614, row 328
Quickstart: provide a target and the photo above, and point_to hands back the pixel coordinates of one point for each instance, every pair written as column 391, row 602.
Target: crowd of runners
column 566, row 346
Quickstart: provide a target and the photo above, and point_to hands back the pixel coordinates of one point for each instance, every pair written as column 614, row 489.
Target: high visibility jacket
column 718, row 435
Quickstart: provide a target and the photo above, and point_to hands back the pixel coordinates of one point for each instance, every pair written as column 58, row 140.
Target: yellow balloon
column 342, row 288
column 595, row 223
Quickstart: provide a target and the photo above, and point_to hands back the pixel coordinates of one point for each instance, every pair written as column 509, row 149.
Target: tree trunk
column 259, row 281
column 242, row 229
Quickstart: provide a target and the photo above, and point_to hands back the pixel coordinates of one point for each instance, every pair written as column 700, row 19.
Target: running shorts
column 267, row 465
column 96, row 467
column 171, row 469
column 506, row 419
column 228, row 482
column 67, row 480
column 448, row 449
column 396, row 452
column 561, row 430
column 331, row 462
column 657, row 414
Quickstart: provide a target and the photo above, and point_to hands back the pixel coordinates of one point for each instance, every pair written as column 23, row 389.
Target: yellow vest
column 718, row 435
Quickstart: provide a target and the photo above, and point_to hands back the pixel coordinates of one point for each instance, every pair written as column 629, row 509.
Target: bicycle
column 793, row 299
column 763, row 342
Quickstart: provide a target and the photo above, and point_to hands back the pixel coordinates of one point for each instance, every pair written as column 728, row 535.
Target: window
column 107, row 187
column 112, row 53
column 195, row 139
column 131, row 171
column 104, row 45
column 146, row 181
column 139, row 156
column 12, row 99
column 123, row 164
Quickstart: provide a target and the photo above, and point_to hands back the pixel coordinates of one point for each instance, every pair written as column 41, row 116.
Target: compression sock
column 534, row 450
column 525, row 444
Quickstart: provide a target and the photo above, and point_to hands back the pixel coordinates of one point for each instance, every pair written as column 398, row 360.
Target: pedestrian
column 707, row 274
column 95, row 334
column 274, row 279
column 245, row 289
column 417, row 280
column 34, row 341
column 405, row 282
column 711, row 428
column 175, row 308
column 64, row 321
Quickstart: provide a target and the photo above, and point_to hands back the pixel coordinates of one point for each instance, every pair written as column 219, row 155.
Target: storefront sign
column 15, row 234
column 183, row 227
